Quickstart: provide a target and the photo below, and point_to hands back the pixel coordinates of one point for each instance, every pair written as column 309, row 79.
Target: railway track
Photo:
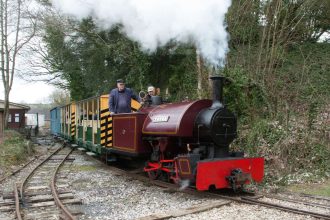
column 288, row 205
column 21, row 168
column 42, row 194
column 252, row 200
column 291, row 207
column 308, row 196
column 6, row 182
column 246, row 198
column 38, row 196
column 17, row 170
column 309, row 201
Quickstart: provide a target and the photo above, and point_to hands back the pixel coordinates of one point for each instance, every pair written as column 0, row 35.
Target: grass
column 322, row 189
column 14, row 150
column 83, row 168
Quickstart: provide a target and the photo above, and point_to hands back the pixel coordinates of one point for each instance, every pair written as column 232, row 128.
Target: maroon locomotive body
column 187, row 142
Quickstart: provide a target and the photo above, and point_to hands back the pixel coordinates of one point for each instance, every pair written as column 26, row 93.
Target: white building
column 31, row 120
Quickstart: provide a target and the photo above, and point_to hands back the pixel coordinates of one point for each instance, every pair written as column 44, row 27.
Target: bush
column 294, row 152
column 14, row 150
column 243, row 95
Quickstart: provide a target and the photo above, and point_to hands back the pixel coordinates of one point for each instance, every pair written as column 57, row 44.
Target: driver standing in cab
column 120, row 98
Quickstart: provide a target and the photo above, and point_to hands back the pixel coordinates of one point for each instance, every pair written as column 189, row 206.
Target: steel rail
column 54, row 191
column 315, row 197
column 17, row 207
column 248, row 201
column 286, row 208
column 297, row 201
column 253, row 201
column 34, row 169
column 16, row 171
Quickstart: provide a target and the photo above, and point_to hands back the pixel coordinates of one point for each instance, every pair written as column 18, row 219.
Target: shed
column 16, row 117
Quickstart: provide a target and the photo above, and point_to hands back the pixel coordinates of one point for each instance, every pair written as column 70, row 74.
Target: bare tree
column 17, row 28
column 204, row 72
column 199, row 63
column 45, row 67
column 59, row 97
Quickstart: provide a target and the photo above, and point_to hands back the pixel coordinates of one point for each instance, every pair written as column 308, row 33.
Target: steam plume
column 184, row 184
column 153, row 23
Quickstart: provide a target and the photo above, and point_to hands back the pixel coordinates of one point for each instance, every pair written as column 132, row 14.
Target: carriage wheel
column 153, row 174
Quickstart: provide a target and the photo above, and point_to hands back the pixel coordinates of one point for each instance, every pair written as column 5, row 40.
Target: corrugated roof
column 13, row 105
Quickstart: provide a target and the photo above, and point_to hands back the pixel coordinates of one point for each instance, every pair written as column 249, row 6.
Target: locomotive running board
column 215, row 172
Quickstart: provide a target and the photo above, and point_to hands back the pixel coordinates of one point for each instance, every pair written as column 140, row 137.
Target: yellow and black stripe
column 106, row 128
column 73, row 124
column 106, row 120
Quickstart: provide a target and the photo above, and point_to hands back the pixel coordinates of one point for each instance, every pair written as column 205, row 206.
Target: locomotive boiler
column 179, row 142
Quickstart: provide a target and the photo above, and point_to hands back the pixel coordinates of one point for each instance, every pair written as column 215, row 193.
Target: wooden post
column 37, row 127
column 84, row 121
column 93, row 112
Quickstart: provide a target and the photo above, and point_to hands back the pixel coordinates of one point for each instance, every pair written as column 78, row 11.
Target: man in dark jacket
column 120, row 98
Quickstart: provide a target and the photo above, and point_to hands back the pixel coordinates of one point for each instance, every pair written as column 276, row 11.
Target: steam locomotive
column 179, row 142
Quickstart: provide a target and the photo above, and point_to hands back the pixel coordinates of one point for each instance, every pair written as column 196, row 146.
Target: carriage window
column 16, row 117
column 9, row 117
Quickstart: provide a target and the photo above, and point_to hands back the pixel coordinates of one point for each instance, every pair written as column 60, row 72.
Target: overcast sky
column 23, row 91
column 27, row 92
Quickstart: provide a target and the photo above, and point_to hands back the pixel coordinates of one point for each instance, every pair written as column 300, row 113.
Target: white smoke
column 184, row 184
column 154, row 23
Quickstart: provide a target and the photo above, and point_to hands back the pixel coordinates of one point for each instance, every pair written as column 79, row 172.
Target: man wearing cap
column 147, row 99
column 151, row 91
column 120, row 98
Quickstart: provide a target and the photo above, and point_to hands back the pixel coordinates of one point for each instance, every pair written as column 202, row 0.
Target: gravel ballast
column 106, row 194
column 236, row 211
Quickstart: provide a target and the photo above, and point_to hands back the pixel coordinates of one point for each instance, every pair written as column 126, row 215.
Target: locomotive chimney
column 217, row 91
